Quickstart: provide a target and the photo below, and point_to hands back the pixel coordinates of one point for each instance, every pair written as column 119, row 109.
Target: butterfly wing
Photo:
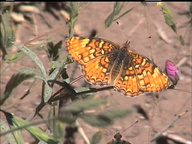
column 95, row 56
column 139, row 74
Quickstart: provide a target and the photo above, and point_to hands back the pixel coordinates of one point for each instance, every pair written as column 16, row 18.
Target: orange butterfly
column 104, row 62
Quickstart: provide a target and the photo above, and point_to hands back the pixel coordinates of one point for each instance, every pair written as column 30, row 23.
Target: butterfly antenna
column 120, row 29
column 130, row 126
column 112, row 131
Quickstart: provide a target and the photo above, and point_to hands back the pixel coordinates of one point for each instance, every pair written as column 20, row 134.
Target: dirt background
column 136, row 26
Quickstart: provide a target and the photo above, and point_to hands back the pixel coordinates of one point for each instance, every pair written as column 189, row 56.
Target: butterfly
column 118, row 140
column 104, row 62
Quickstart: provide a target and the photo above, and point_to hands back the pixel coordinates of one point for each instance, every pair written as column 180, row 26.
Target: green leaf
column 169, row 20
column 105, row 118
column 74, row 9
column 58, row 130
column 82, row 89
column 123, row 14
column 15, row 80
column 57, row 66
column 55, row 70
column 47, row 91
column 66, row 117
column 115, row 113
column 19, row 55
column 34, row 131
column 96, row 138
column 53, row 50
column 109, row 20
column 79, row 106
column 12, row 58
column 116, row 9
column 31, row 71
column 3, row 128
column 67, row 60
column 17, row 135
column 95, row 120
column 6, row 33
column 32, row 56
column 182, row 42
column 56, row 127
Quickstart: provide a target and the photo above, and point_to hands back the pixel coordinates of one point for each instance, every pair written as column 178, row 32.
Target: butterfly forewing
column 84, row 50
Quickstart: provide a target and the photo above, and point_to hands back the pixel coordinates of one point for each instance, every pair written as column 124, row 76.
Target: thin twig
column 82, row 133
column 152, row 117
column 149, row 31
column 169, row 126
column 176, row 138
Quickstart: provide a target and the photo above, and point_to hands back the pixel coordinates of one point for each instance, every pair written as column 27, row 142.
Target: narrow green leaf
column 105, row 118
column 78, row 106
column 47, row 91
column 3, row 128
column 114, row 14
column 82, row 89
column 66, row 117
column 123, row 14
column 74, row 10
column 118, row 7
column 53, row 50
column 15, row 80
column 6, row 32
column 190, row 8
column 34, row 131
column 109, row 20
column 85, row 92
column 169, row 20
column 33, row 57
column 96, row 138
column 115, row 113
column 67, row 60
column 182, row 42
column 12, row 58
column 19, row 55
column 31, row 71
column 17, row 135
column 58, row 130
column 56, row 68
column 94, row 120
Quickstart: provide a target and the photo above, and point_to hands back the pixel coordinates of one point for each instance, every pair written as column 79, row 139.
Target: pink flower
column 172, row 71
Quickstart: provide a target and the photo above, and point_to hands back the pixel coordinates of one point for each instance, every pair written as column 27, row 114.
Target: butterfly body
column 118, row 63
column 104, row 62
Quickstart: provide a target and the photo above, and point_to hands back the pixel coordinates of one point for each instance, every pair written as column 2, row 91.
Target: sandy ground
column 136, row 26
